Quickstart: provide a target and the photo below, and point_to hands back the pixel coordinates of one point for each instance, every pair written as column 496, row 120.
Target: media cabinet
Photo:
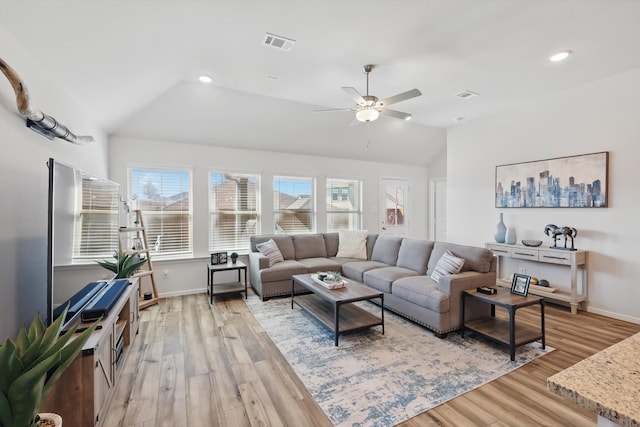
column 83, row 393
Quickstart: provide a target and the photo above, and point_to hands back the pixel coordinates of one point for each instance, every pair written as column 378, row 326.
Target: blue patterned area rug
column 372, row 379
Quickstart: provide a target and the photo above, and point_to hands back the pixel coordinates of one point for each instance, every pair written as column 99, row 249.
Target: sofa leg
column 440, row 334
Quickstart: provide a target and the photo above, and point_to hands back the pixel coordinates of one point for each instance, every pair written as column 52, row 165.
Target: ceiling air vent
column 466, row 94
column 278, row 42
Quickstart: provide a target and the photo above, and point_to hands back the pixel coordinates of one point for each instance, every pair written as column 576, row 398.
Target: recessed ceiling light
column 205, row 79
column 408, row 117
column 271, row 78
column 560, row 56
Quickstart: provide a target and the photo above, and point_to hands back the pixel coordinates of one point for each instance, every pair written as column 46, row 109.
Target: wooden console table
column 576, row 260
column 83, row 393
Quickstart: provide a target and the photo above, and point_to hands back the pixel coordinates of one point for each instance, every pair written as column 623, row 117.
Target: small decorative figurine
column 567, row 232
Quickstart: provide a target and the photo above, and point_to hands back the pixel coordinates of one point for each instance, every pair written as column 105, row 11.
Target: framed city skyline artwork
column 563, row 182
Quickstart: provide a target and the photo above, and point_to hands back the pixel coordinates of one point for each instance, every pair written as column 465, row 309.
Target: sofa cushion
column 382, row 278
column 331, row 243
column 414, row 254
column 282, row 271
column 423, row 291
column 386, row 249
column 352, row 244
column 271, row 251
column 285, row 244
column 320, row 264
column 475, row 258
column 309, row 246
column 355, row 270
column 447, row 264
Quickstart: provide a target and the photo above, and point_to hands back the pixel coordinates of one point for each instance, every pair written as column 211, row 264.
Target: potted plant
column 125, row 265
column 31, row 364
column 234, row 257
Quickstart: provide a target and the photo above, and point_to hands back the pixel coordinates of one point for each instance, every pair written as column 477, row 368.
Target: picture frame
column 218, row 258
column 137, row 244
column 579, row 181
column 520, row 284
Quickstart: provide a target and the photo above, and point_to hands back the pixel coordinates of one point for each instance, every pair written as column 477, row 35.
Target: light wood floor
column 196, row 365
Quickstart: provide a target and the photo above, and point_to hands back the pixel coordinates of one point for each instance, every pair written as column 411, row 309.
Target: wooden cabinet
column 575, row 260
column 83, row 393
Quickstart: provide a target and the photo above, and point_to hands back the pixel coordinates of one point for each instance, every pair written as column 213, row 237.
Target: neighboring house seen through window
column 344, row 204
column 293, row 204
column 164, row 197
column 234, row 210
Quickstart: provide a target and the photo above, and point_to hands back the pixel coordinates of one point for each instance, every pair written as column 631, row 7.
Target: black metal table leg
column 512, row 333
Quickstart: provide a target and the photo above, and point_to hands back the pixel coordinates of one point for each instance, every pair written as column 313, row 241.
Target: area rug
column 378, row 380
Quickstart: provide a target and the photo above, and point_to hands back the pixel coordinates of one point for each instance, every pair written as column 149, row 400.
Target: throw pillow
column 447, row 264
column 352, row 244
column 271, row 251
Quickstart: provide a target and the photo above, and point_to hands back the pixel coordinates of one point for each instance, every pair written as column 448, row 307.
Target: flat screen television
column 83, row 221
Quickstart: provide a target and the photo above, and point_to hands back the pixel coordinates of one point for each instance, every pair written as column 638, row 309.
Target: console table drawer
column 500, row 249
column 522, row 253
column 555, row 257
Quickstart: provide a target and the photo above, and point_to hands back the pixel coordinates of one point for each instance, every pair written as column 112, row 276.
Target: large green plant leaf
column 5, row 411
column 10, row 365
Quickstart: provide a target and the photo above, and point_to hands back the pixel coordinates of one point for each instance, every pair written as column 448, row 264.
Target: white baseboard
column 182, row 293
column 613, row 315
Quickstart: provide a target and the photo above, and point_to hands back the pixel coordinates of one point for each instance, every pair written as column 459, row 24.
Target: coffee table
column 334, row 308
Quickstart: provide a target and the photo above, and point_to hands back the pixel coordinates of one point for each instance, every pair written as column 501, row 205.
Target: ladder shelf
column 140, row 246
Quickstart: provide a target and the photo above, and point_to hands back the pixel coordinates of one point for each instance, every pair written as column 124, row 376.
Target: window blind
column 293, row 204
column 164, row 197
column 344, row 204
column 234, row 210
column 96, row 218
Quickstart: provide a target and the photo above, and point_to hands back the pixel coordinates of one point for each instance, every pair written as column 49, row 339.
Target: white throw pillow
column 447, row 264
column 352, row 244
column 270, row 250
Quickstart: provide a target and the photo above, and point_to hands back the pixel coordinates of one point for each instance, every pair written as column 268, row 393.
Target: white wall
column 126, row 152
column 602, row 116
column 24, row 183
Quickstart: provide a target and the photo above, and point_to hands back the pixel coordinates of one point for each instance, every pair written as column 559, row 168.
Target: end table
column 227, row 287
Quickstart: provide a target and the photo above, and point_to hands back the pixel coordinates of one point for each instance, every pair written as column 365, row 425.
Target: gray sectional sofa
column 399, row 267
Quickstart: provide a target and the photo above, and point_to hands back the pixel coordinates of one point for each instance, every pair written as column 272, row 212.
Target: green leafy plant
column 31, row 364
column 125, row 265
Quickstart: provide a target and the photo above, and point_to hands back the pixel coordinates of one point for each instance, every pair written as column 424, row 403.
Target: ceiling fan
column 368, row 108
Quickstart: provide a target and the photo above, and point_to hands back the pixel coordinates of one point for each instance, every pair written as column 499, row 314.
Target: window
column 164, row 197
column 293, row 205
column 96, row 218
column 344, row 204
column 234, row 210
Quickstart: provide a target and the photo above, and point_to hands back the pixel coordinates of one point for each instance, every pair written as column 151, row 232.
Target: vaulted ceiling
column 133, row 65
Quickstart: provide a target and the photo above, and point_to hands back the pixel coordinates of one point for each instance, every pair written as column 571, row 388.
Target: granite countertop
column 607, row 383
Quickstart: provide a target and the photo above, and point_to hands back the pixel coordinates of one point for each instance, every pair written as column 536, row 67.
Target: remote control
column 486, row 290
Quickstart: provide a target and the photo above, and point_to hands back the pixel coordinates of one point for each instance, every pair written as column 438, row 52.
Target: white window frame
column 279, row 209
column 335, row 207
column 239, row 242
column 182, row 249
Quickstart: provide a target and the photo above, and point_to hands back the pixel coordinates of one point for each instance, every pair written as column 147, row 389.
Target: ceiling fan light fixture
column 367, row 114
column 560, row 56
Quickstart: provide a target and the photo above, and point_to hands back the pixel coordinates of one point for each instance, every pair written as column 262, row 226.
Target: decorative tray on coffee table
column 329, row 283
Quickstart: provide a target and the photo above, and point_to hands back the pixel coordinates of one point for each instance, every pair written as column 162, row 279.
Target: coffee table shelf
column 352, row 317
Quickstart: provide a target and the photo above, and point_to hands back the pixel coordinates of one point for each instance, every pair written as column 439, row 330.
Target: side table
column 501, row 331
column 227, row 287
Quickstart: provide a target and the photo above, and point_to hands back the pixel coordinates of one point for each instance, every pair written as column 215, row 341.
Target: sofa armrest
column 257, row 262
column 454, row 284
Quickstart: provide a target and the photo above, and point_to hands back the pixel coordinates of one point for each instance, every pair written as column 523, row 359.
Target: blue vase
column 510, row 236
column 500, row 231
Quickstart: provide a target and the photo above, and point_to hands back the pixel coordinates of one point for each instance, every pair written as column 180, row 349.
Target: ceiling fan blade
column 353, row 93
column 333, row 109
column 396, row 114
column 400, row 97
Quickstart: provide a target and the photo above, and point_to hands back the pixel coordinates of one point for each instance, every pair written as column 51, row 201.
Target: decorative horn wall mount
column 36, row 119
